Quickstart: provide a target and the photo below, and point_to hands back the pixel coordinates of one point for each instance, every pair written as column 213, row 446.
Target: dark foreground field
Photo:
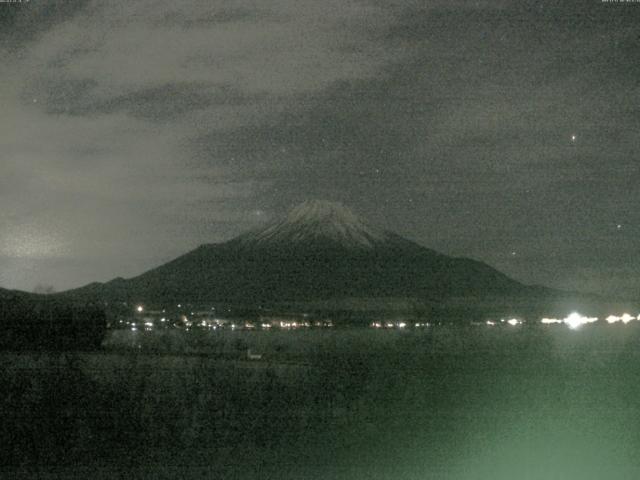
column 480, row 403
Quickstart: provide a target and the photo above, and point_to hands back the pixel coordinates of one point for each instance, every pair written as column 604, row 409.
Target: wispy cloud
column 102, row 104
column 134, row 130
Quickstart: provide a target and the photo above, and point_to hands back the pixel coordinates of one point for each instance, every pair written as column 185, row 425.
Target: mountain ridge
column 322, row 256
column 320, row 250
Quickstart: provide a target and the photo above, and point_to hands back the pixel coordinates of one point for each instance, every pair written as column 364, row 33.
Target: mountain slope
column 320, row 250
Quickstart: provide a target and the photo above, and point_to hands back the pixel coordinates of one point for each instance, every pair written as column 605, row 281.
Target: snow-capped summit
column 318, row 220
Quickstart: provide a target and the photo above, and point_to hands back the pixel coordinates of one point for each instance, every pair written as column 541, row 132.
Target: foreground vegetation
column 42, row 322
column 442, row 403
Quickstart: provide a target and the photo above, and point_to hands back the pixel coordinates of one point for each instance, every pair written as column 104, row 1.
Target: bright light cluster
column 514, row 321
column 574, row 320
column 399, row 324
column 549, row 321
column 624, row 318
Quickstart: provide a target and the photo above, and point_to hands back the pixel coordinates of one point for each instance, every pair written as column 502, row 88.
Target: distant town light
column 574, row 320
column 548, row 321
column 513, row 322
column 626, row 318
column 139, row 308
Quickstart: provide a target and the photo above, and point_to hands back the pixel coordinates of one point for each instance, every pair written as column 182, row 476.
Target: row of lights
column 574, row 320
column 216, row 324
column 512, row 321
column 397, row 325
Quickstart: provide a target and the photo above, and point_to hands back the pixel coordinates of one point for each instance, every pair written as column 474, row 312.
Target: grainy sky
column 506, row 131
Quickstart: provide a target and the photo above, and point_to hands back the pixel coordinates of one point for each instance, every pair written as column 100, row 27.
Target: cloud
column 282, row 48
column 22, row 23
column 133, row 131
column 102, row 102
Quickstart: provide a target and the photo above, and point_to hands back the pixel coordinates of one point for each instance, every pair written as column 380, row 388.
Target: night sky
column 133, row 131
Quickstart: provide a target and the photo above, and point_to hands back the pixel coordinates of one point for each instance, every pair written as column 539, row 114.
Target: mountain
column 320, row 251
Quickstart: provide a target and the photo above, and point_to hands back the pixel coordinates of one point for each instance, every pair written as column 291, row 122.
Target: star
column 574, row 137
